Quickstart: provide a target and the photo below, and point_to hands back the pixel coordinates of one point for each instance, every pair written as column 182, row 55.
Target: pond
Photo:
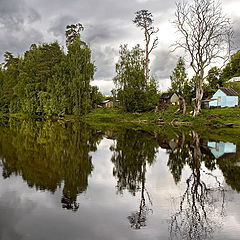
column 63, row 180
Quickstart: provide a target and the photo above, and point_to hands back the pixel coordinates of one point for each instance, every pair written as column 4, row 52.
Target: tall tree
column 80, row 70
column 180, row 83
column 72, row 32
column 36, row 70
column 144, row 20
column 10, row 72
column 132, row 86
column 206, row 34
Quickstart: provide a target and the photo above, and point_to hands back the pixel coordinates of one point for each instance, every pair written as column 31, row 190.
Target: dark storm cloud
column 14, row 13
column 18, row 42
column 108, row 23
column 15, row 23
column 164, row 63
column 59, row 25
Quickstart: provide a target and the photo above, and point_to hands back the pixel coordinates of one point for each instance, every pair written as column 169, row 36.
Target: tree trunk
column 147, row 60
column 199, row 94
column 184, row 105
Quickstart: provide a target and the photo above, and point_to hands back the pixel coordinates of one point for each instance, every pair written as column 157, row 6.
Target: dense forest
column 48, row 81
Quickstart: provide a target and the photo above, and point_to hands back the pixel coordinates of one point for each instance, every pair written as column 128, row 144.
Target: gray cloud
column 108, row 23
column 164, row 63
column 59, row 25
column 104, row 60
column 16, row 20
column 236, row 30
column 15, row 13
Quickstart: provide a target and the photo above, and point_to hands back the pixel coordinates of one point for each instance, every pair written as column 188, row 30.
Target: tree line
column 47, row 81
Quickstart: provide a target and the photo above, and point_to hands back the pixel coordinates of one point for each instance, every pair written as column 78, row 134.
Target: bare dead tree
column 138, row 219
column 206, row 36
column 144, row 20
column 201, row 206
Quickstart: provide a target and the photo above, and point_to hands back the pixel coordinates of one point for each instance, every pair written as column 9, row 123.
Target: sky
column 108, row 24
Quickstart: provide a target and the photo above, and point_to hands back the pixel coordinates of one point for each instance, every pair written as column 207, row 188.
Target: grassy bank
column 209, row 117
column 211, row 122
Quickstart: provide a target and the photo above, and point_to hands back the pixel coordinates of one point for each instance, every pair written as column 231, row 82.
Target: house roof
column 229, row 92
column 207, row 95
column 166, row 95
column 234, row 79
column 106, row 101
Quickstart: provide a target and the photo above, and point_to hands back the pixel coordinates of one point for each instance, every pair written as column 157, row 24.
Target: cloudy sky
column 108, row 23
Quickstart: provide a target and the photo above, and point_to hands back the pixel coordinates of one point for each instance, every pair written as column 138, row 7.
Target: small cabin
column 107, row 103
column 224, row 97
column 169, row 98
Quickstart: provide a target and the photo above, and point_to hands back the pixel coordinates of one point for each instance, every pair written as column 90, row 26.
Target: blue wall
column 222, row 100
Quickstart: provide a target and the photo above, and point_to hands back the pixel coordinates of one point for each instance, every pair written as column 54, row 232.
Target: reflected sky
column 33, row 213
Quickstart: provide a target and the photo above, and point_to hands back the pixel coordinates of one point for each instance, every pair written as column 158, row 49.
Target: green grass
column 210, row 123
column 208, row 116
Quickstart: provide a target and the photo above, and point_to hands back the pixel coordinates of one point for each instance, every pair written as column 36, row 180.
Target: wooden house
column 107, row 103
column 169, row 98
column 224, row 97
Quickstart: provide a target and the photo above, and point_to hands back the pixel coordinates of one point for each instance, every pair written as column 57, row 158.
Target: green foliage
column 180, row 83
column 232, row 69
column 48, row 155
column 214, row 80
column 131, row 153
column 47, row 81
column 133, row 90
column 80, row 71
column 96, row 96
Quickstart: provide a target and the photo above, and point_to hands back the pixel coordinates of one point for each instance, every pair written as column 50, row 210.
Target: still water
column 69, row 181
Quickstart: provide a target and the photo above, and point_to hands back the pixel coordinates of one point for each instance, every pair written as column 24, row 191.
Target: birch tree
column 206, row 36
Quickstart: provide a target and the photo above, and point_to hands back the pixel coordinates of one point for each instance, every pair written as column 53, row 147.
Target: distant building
column 224, row 97
column 169, row 98
column 107, row 103
column 234, row 79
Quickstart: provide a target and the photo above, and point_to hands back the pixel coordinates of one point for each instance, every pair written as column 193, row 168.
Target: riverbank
column 223, row 123
column 224, row 117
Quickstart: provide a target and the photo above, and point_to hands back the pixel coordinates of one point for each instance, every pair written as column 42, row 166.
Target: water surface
column 71, row 181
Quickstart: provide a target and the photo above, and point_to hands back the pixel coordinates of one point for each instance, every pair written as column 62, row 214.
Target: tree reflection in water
column 201, row 207
column 48, row 155
column 132, row 151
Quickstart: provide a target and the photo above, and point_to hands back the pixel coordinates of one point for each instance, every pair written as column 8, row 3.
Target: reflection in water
column 221, row 149
column 199, row 213
column 54, row 155
column 133, row 150
column 48, row 154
